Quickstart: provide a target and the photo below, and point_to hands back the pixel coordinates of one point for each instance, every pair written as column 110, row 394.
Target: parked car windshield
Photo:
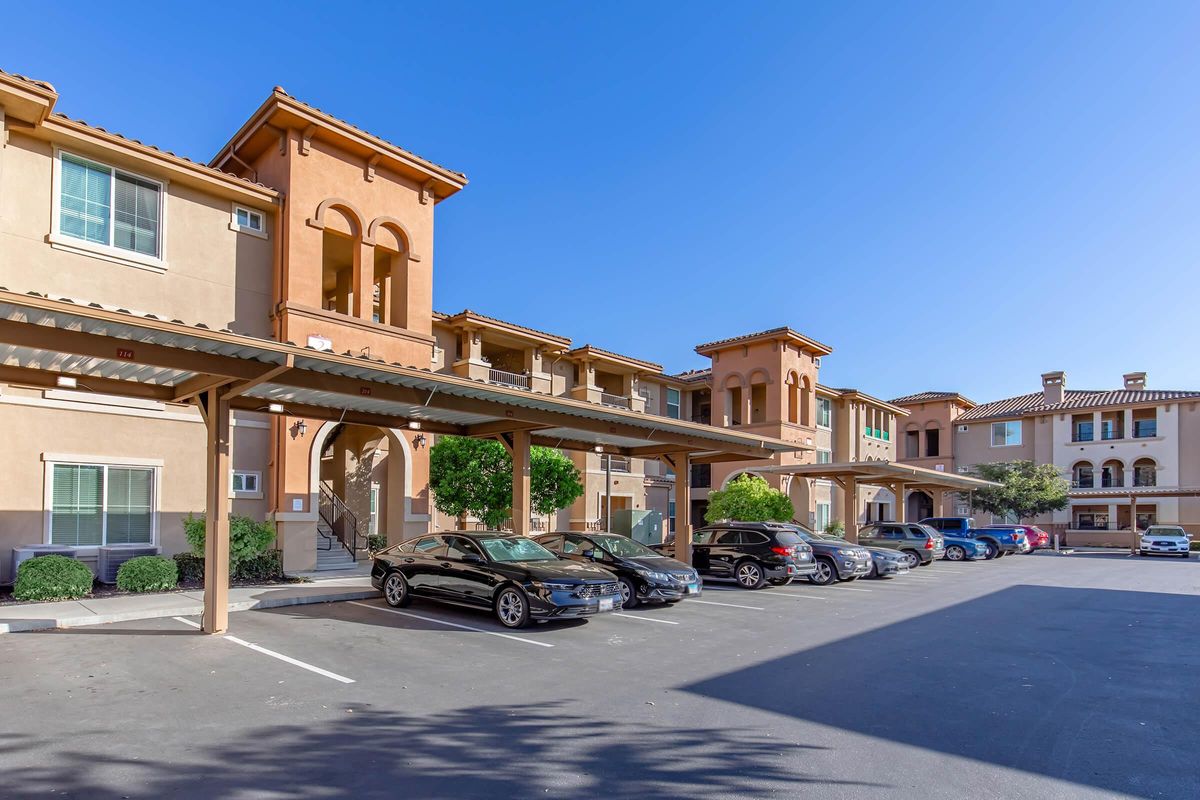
column 516, row 549
column 624, row 547
column 1164, row 530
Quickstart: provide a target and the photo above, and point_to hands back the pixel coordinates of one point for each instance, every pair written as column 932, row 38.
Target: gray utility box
column 25, row 552
column 112, row 556
column 638, row 524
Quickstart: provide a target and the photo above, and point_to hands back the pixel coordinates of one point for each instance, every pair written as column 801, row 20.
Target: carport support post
column 901, row 511
column 520, row 485
column 682, row 464
column 850, row 508
column 1134, row 545
column 215, row 409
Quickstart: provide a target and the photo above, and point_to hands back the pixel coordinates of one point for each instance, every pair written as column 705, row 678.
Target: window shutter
column 135, row 215
column 75, row 513
column 130, row 505
column 83, row 200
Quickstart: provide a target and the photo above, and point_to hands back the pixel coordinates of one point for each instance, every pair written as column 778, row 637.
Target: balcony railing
column 617, row 400
column 510, row 379
column 1145, row 429
column 1109, row 434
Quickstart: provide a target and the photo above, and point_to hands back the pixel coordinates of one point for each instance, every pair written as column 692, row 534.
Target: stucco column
column 939, row 500
column 520, row 483
column 901, row 511
column 216, row 512
column 364, row 281
column 1097, row 431
column 344, row 290
column 850, row 509
column 683, row 508
column 1112, row 516
column 1128, row 423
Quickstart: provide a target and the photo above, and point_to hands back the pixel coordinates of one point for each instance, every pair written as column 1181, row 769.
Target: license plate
column 606, row 604
column 693, row 588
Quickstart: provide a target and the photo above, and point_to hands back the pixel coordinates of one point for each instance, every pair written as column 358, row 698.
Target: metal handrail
column 340, row 519
column 511, row 379
column 620, row 401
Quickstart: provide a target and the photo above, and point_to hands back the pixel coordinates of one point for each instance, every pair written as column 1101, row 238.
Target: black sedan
column 516, row 578
column 643, row 573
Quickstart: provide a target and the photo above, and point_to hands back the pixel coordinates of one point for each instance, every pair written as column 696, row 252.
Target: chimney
column 1135, row 381
column 1054, row 384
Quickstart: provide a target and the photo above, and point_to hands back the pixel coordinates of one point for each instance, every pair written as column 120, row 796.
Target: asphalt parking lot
column 1032, row 677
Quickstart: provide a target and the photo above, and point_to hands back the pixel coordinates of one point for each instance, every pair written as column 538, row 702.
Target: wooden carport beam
column 215, row 409
column 489, row 429
column 48, row 379
column 198, row 385
column 241, row 387
column 518, row 441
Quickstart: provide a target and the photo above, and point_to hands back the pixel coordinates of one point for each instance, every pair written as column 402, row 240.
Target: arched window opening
column 1082, row 476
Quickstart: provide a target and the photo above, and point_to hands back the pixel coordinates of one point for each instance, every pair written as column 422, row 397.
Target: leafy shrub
column 247, row 537
column 1194, row 546
column 190, row 566
column 266, row 566
column 376, row 542
column 835, row 528
column 52, row 577
column 148, row 574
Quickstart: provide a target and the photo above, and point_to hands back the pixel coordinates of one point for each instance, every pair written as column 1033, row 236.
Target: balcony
column 615, row 400
column 512, row 380
column 1145, row 429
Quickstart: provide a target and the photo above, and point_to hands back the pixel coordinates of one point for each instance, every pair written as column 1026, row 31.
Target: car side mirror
column 471, row 558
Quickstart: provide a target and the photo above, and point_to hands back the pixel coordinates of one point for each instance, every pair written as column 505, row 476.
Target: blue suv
column 999, row 541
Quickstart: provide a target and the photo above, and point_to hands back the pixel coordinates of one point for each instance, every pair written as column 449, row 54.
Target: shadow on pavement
column 483, row 751
column 1091, row 686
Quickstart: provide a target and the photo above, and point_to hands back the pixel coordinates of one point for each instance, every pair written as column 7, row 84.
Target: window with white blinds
column 108, row 207
column 95, row 504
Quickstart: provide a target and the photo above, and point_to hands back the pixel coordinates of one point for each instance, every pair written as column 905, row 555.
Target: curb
column 191, row 609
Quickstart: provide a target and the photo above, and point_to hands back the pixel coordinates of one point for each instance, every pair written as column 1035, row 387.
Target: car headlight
column 846, row 551
column 657, row 577
column 555, row 587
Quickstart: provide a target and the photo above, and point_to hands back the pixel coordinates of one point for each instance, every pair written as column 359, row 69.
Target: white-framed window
column 247, row 220
column 822, row 516
column 824, row 456
column 1006, row 434
column 671, row 514
column 245, row 483
column 672, row 403
column 824, row 412
column 108, row 212
column 100, row 504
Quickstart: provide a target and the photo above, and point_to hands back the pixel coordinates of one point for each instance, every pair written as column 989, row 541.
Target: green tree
column 474, row 476
column 748, row 498
column 1025, row 489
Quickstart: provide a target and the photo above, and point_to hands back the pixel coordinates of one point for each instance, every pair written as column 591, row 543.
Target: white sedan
column 1166, row 540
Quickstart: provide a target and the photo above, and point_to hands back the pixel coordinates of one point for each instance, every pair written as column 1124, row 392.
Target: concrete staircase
column 330, row 553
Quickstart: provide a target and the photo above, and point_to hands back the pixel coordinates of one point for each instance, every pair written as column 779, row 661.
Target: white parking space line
column 852, row 589
column 448, row 623
column 783, row 593
column 623, row 615
column 287, row 659
column 727, row 605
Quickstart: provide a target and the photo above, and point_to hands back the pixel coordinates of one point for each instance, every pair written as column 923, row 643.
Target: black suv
column 752, row 553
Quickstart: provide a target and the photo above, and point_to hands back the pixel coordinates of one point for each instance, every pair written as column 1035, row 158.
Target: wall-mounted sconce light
column 419, row 441
column 299, row 428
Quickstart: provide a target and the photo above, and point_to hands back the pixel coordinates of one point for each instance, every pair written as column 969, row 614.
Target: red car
column 1038, row 539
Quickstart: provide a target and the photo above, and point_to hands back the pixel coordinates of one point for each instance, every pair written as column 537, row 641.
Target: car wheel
column 395, row 590
column 1185, row 555
column 780, row 581
column 749, row 575
column 512, row 609
column 912, row 558
column 1142, row 553
column 992, row 550
column 1000, row 553
column 926, row 563
column 955, row 553
column 826, row 573
column 629, row 598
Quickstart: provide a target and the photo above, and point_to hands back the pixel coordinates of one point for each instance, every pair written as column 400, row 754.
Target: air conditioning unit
column 27, row 551
column 962, row 428
column 112, row 556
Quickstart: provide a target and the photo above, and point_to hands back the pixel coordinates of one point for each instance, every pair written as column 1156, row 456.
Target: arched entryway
column 369, row 472
column 918, row 506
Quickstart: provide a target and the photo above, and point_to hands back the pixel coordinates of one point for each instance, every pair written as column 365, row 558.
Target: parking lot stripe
column 727, row 605
column 437, row 621
column 287, row 659
column 852, row 589
column 785, row 593
column 623, row 615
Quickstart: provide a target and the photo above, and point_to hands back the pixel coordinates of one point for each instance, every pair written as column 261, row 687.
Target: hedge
column 190, row 566
column 248, row 537
column 263, row 567
column 52, row 577
column 148, row 574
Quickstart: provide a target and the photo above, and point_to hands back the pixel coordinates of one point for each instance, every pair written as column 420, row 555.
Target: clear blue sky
column 954, row 196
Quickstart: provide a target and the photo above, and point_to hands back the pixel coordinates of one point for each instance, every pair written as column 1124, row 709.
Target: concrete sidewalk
column 100, row 610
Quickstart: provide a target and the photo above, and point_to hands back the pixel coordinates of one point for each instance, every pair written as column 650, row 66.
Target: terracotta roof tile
column 782, row 331
column 925, row 397
column 33, row 81
column 1033, row 403
column 446, row 317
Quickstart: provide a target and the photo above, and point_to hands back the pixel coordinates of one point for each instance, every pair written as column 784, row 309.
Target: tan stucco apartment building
column 1126, row 451
column 304, row 229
